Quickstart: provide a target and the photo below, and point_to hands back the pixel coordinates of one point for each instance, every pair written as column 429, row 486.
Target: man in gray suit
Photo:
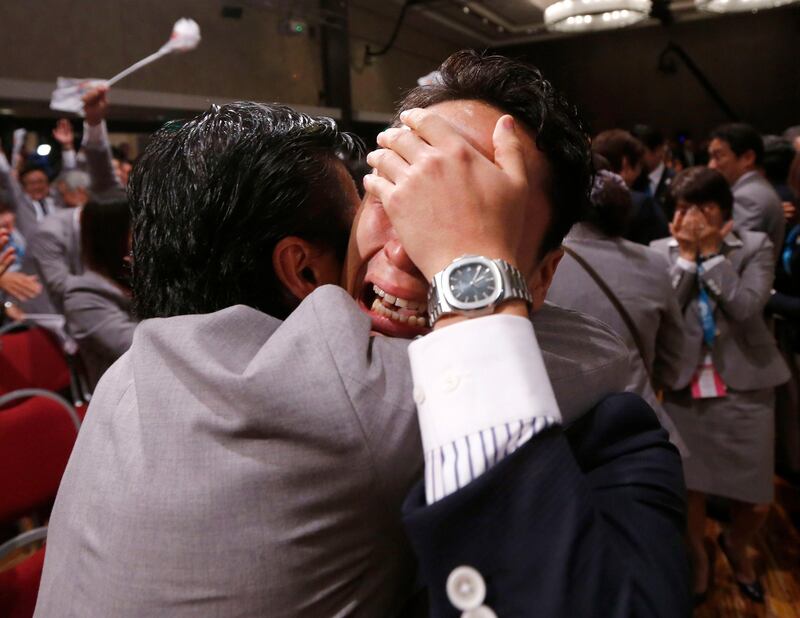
column 252, row 466
column 736, row 151
column 54, row 245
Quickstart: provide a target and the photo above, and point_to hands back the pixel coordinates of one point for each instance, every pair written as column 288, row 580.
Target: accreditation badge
column 706, row 383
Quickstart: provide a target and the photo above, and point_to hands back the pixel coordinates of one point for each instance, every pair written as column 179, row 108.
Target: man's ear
column 539, row 282
column 301, row 267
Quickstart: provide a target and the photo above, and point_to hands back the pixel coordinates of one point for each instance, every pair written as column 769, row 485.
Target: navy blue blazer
column 587, row 521
column 648, row 222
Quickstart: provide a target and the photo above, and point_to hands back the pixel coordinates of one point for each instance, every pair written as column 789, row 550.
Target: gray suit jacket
column 53, row 253
column 745, row 353
column 638, row 277
column 757, row 207
column 233, row 465
column 99, row 319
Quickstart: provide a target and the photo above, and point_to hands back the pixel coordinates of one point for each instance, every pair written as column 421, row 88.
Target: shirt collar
column 655, row 175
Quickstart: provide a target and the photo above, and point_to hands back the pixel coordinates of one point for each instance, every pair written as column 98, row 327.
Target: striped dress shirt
column 482, row 392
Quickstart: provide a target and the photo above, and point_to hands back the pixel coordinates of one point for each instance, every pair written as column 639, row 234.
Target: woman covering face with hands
column 700, row 229
column 724, row 409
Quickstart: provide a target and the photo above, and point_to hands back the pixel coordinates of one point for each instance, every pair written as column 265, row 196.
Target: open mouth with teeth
column 393, row 315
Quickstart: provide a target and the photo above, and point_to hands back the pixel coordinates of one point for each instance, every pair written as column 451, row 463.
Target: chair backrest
column 36, row 439
column 19, row 586
column 32, row 358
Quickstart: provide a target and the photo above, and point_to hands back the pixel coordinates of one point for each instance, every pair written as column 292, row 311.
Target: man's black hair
column 211, row 197
column 699, row 185
column 519, row 89
column 741, row 138
column 616, row 144
column 650, row 137
column 105, row 232
column 33, row 167
column 778, row 156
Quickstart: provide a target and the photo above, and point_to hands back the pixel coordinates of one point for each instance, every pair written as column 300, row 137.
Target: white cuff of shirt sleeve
column 96, row 135
column 478, row 374
column 712, row 262
column 684, row 264
column 69, row 160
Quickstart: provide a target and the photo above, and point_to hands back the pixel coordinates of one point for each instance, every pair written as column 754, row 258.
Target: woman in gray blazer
column 97, row 303
column 636, row 277
column 726, row 413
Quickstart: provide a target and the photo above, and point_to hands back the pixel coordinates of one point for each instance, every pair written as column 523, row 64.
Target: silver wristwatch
column 474, row 285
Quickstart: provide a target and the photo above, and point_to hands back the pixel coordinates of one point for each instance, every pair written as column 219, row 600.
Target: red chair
column 37, row 433
column 36, row 439
column 32, row 358
column 19, row 585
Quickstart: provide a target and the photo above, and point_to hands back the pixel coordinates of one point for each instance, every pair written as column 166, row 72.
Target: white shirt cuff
column 478, row 374
column 96, row 135
column 68, row 160
column 686, row 265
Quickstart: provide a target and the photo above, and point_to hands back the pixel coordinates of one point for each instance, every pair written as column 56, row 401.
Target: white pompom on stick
column 69, row 92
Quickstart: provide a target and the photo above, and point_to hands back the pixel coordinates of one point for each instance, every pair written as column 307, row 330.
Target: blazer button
column 484, row 611
column 466, row 588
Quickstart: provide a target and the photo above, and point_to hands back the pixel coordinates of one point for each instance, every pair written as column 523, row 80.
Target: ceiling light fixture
column 587, row 15
column 738, row 6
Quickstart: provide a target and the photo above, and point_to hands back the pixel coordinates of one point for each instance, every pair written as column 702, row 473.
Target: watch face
column 472, row 283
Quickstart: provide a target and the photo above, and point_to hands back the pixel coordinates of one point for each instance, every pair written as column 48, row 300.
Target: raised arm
column 96, row 147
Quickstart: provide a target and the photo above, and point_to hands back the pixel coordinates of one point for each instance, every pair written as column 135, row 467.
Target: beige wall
column 379, row 84
column 245, row 58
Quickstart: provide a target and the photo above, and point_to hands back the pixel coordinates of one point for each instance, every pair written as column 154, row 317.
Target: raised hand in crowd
column 64, row 134
column 20, row 286
column 95, row 105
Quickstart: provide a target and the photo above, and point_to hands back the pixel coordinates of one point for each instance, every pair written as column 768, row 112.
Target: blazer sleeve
column 741, row 296
column 671, row 343
column 584, row 523
column 47, row 255
column 97, row 153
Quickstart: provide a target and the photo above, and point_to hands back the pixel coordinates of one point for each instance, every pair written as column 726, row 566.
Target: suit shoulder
column 661, row 246
column 753, row 240
column 578, row 334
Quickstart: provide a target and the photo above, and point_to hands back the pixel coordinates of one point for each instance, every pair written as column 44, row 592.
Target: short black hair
column 741, row 137
column 616, row 144
column 519, row 89
column 650, row 137
column 698, row 185
column 778, row 156
column 33, row 167
column 210, row 198
column 612, row 207
column 105, row 232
